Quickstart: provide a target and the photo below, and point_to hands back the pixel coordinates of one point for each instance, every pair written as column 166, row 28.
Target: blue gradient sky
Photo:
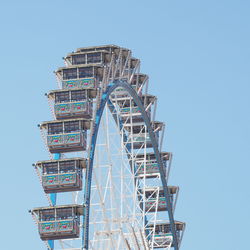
column 197, row 55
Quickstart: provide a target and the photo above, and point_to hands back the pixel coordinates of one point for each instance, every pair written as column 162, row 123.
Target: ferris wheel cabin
column 58, row 222
column 130, row 112
column 71, row 104
column 88, row 57
column 162, row 236
column 140, row 135
column 137, row 83
column 80, row 76
column 62, row 175
column 155, row 199
column 109, row 48
column 146, row 165
column 130, row 68
column 66, row 135
column 114, row 50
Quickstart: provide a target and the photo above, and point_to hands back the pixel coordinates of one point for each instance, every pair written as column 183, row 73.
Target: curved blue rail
column 88, row 177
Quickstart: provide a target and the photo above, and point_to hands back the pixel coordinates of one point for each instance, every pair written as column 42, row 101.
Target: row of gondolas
column 73, row 110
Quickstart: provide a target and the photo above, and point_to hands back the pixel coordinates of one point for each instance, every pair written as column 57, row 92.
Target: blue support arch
column 88, row 177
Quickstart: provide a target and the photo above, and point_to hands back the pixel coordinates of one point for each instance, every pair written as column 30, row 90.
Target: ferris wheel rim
column 104, row 98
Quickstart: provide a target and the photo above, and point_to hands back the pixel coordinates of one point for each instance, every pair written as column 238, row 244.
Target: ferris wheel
column 107, row 177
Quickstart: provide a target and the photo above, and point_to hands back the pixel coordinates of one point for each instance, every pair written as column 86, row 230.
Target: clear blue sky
column 197, row 54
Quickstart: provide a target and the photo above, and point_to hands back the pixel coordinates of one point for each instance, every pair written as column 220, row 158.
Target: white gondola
column 161, row 236
column 66, row 135
column 137, row 83
column 155, row 199
column 88, row 57
column 139, row 135
column 62, row 175
column 58, row 222
column 130, row 112
column 146, row 165
column 75, row 103
column 83, row 76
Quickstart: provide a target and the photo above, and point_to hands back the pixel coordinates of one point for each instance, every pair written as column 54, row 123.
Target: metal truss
column 96, row 123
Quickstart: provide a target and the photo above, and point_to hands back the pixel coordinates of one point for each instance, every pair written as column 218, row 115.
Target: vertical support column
column 57, row 156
